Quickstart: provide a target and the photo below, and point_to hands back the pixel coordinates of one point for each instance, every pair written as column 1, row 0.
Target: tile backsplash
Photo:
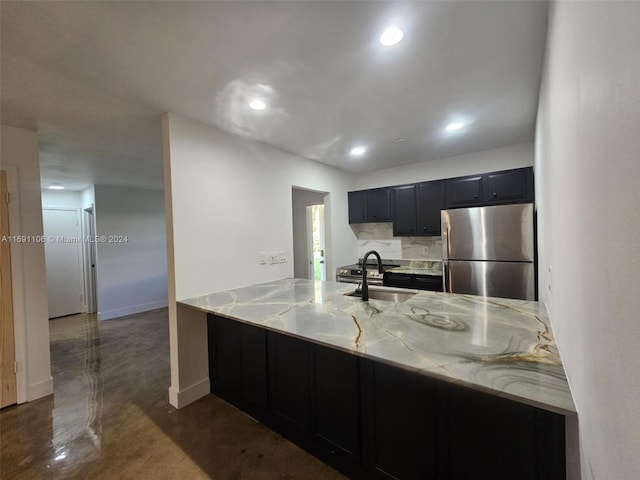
column 379, row 237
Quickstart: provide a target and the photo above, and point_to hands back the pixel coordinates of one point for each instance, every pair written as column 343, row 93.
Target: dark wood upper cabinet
column 495, row 188
column 404, row 210
column 509, row 186
column 370, row 206
column 464, row 192
column 430, row 201
column 358, row 206
column 379, row 205
column 415, row 209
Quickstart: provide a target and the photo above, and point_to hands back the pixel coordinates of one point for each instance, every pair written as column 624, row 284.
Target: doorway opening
column 316, row 243
column 310, row 251
column 63, row 260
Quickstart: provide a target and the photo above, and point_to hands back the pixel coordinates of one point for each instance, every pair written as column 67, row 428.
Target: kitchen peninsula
column 439, row 386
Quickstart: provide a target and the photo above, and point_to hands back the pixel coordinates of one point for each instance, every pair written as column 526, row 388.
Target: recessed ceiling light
column 391, row 36
column 257, row 104
column 357, row 151
column 56, row 186
column 454, row 126
column 399, row 140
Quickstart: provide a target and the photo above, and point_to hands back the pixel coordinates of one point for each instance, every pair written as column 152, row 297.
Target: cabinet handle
column 494, row 195
column 475, row 197
column 424, row 228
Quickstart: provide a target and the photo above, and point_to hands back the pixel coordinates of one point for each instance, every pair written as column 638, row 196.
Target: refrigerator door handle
column 445, row 255
column 445, row 277
column 445, row 240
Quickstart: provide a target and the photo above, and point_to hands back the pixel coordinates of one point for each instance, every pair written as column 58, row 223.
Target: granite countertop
column 501, row 346
column 419, row 267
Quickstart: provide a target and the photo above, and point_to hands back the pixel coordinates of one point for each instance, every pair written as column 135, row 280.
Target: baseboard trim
column 40, row 389
column 190, row 394
column 124, row 311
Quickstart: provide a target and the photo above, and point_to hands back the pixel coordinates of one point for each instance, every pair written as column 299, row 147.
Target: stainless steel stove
column 353, row 273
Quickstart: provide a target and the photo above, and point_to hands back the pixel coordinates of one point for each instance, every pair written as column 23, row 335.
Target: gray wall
column 131, row 275
column 587, row 170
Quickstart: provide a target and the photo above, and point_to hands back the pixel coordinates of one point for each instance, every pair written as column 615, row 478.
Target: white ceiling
column 93, row 79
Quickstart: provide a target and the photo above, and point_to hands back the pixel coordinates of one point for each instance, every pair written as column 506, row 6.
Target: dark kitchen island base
column 370, row 420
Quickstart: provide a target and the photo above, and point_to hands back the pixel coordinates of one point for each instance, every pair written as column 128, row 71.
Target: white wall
column 61, row 199
column 131, row 274
column 229, row 198
column 19, row 156
column 588, row 172
column 232, row 199
column 505, row 158
column 88, row 197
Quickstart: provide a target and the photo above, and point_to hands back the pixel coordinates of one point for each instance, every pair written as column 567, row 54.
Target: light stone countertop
column 500, row 346
column 419, row 267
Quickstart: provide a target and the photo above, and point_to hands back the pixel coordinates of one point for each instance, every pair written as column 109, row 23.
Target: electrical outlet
column 425, row 250
column 273, row 257
column 282, row 257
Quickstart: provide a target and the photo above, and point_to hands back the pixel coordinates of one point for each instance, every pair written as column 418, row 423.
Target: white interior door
column 63, row 253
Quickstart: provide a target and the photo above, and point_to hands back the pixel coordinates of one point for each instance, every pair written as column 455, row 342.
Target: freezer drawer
column 491, row 279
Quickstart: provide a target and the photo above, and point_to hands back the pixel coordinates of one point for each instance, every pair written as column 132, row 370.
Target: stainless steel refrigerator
column 489, row 251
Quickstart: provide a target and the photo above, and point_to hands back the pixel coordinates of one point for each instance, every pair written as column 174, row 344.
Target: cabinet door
column 401, row 409
column 238, row 364
column 430, row 201
column 378, row 205
column 290, row 383
column 253, row 369
column 224, row 360
column 404, row 210
column 357, row 207
column 427, row 282
column 509, row 186
column 485, row 436
column 401, row 280
column 464, row 192
column 336, row 402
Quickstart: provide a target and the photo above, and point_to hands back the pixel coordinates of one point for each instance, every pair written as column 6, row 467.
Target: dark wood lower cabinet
column 290, row 383
column 335, row 402
column 400, row 417
column 372, row 420
column 418, row 282
column 237, row 364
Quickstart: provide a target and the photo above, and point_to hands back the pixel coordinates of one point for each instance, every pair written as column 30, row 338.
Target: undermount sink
column 384, row 294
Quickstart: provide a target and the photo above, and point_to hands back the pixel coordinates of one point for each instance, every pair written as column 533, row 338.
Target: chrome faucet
column 365, row 287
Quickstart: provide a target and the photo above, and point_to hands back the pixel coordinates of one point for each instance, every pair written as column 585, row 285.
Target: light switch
column 273, row 257
column 263, row 258
column 282, row 257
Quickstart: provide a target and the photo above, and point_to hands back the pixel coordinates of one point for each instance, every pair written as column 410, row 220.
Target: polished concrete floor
column 109, row 417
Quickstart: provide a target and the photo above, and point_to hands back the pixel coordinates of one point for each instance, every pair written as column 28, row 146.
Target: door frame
column 89, row 258
column 17, row 285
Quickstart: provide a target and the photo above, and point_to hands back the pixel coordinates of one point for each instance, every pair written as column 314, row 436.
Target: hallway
column 110, row 418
